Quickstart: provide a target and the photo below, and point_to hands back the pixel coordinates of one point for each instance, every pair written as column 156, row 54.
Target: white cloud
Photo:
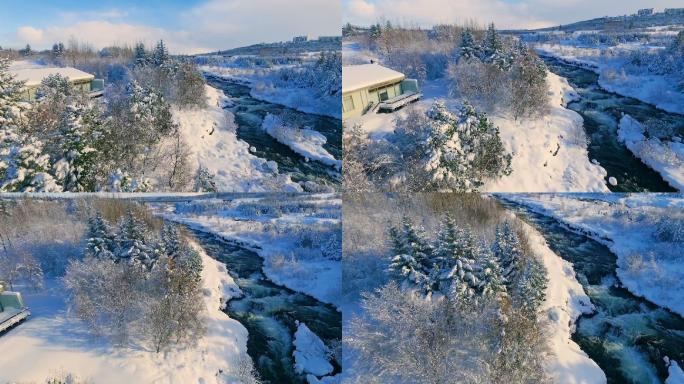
column 30, row 34
column 506, row 14
column 209, row 26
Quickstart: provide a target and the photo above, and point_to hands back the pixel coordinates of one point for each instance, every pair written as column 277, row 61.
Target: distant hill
column 287, row 47
column 674, row 16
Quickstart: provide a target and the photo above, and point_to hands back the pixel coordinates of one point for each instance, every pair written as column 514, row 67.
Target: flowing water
column 270, row 311
column 249, row 114
column 602, row 111
column 627, row 336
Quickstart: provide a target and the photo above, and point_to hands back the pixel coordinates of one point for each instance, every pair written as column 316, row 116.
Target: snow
column 657, row 90
column 626, row 224
column 276, row 237
column 34, row 76
column 30, row 351
column 666, row 157
column 304, row 141
column 565, row 302
column 210, row 135
column 676, row 375
column 311, row 354
column 355, row 77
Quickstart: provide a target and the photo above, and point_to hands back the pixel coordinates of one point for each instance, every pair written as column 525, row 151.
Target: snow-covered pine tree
column 132, row 242
column 507, row 250
column 150, row 112
column 140, row 58
column 75, row 169
column 23, row 165
column 467, row 47
column 462, row 152
column 491, row 44
column 204, row 180
column 492, row 281
column 531, row 288
column 410, row 262
column 170, row 239
column 160, row 55
column 189, row 263
column 455, row 259
column 101, row 238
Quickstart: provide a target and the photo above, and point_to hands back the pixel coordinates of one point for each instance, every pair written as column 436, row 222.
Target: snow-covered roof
column 33, row 76
column 355, row 77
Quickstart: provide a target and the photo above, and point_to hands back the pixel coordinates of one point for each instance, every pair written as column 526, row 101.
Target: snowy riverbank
column 565, row 302
column 294, row 235
column 210, row 135
column 262, row 87
column 665, row 157
column 657, row 90
column 30, row 350
column 643, row 230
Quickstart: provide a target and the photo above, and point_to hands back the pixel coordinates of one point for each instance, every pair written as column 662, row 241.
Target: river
column 249, row 114
column 627, row 336
column 270, row 311
column 602, row 111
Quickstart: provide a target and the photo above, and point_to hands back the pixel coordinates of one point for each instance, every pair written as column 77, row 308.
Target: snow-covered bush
column 670, row 229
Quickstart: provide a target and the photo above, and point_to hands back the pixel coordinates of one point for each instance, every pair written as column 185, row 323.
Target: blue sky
column 504, row 13
column 188, row 26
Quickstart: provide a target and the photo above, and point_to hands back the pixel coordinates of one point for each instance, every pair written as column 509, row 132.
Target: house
column 370, row 87
column 674, row 11
column 301, row 39
column 82, row 81
column 645, row 12
column 12, row 309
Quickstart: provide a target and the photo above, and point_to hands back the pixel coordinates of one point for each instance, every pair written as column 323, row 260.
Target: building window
column 347, row 104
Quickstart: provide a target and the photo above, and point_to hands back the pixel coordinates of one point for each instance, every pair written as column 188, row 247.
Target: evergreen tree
column 463, row 151
column 160, row 55
column 170, row 239
column 507, row 250
column 491, row 45
column 132, row 242
column 532, row 284
column 140, row 57
column 190, row 263
column 493, row 283
column 151, row 114
column 410, row 257
column 75, row 169
column 204, row 180
column 101, row 238
column 23, row 165
column 467, row 47
column 27, row 51
column 455, row 259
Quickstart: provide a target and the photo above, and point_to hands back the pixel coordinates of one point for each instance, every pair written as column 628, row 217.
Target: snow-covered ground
column 643, row 230
column 262, row 88
column 565, row 302
column 549, row 153
column 304, row 141
column 299, row 236
column 210, row 135
column 666, row 157
column 51, row 343
column 608, row 63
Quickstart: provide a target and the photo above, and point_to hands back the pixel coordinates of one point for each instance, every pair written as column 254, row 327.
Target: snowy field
column 298, row 236
column 54, row 344
column 210, row 134
column 608, row 63
column 645, row 231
